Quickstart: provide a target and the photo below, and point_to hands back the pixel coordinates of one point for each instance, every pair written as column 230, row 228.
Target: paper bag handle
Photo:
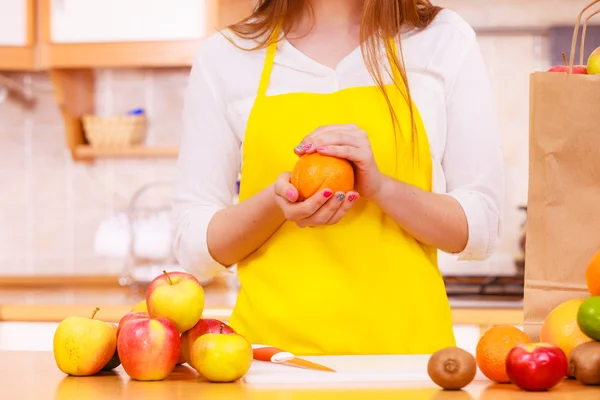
column 583, row 35
column 576, row 34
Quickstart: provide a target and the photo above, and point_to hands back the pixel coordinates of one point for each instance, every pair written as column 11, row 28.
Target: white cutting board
column 356, row 369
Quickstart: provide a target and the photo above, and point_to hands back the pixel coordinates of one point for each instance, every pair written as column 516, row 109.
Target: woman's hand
column 323, row 208
column 351, row 143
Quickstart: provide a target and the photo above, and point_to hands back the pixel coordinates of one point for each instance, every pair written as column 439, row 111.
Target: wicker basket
column 118, row 131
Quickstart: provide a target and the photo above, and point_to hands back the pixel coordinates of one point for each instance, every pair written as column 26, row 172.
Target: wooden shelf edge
column 17, row 58
column 87, row 152
column 123, row 55
column 43, row 281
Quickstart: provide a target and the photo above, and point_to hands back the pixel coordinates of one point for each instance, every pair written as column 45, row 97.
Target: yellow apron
column 362, row 286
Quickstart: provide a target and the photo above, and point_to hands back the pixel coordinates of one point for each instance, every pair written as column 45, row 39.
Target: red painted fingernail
column 291, row 194
column 352, row 197
column 307, row 147
column 327, row 193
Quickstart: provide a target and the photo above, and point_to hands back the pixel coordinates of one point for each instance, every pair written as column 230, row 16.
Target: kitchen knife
column 278, row 356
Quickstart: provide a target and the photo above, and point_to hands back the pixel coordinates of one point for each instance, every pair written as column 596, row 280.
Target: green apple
column 177, row 296
column 83, row 346
column 593, row 64
column 221, row 357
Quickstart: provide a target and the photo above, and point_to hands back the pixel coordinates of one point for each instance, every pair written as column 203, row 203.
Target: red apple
column 149, row 348
column 577, row 69
column 536, row 366
column 130, row 316
column 178, row 296
column 204, row 326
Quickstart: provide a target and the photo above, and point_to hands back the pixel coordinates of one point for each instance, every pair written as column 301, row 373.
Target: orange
column 493, row 348
column 592, row 275
column 561, row 329
column 314, row 172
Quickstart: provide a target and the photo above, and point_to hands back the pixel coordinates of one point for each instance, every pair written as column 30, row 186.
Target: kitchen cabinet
column 92, row 21
column 17, row 35
column 79, row 36
column 132, row 33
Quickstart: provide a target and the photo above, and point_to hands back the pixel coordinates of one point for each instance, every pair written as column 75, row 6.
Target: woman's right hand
column 323, row 208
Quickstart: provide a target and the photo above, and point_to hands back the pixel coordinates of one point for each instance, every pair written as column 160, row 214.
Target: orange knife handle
column 270, row 353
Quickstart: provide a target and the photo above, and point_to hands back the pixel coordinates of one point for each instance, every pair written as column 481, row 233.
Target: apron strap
column 265, row 76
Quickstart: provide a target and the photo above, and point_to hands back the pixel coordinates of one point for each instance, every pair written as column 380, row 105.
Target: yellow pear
column 83, row 346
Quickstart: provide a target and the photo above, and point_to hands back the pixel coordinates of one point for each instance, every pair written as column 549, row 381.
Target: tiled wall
column 50, row 207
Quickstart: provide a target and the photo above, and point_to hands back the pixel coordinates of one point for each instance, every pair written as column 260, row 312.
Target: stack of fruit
column 159, row 333
column 569, row 347
column 592, row 67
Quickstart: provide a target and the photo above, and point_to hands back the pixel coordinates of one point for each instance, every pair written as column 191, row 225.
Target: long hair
column 381, row 20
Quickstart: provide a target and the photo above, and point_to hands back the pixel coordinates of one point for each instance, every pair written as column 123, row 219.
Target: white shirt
column 449, row 84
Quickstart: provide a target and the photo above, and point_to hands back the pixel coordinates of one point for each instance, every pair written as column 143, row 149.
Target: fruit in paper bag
column 204, row 326
column 452, row 368
column 592, row 275
column 593, row 64
column 561, row 327
column 577, row 69
column 493, row 348
column 588, row 317
column 83, row 346
column 314, row 172
column 178, row 296
column 584, row 363
column 536, row 366
column 149, row 348
column 221, row 357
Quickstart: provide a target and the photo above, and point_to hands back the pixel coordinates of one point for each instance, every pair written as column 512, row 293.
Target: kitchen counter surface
column 52, row 299
column 34, row 375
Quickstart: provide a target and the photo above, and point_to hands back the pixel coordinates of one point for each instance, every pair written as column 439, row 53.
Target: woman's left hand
column 351, row 143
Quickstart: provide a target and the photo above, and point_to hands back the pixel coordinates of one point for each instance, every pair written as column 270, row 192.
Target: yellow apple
column 141, row 306
column 221, row 357
column 177, row 296
column 83, row 346
column 593, row 64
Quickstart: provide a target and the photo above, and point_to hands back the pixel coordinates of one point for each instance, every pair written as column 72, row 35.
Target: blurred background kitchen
column 90, row 102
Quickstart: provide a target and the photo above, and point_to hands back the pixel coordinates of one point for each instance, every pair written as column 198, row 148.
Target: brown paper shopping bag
column 563, row 209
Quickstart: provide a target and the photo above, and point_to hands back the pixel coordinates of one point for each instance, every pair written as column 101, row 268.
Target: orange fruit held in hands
column 314, row 172
column 592, row 275
column 492, row 349
column 561, row 329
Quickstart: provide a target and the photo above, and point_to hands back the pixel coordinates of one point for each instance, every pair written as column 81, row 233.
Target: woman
column 337, row 77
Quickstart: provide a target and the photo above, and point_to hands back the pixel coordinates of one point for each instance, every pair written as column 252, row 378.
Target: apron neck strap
column 265, row 76
column 272, row 49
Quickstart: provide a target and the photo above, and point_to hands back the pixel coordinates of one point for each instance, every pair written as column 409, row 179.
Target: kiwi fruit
column 452, row 368
column 584, row 363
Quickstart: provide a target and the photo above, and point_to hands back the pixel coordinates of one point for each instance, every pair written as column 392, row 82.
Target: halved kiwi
column 452, row 368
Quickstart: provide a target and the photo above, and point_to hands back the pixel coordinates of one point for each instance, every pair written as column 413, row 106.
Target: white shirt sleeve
column 472, row 161
column 207, row 169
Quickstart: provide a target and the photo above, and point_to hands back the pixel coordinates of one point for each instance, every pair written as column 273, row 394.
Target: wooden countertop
column 34, row 375
column 51, row 299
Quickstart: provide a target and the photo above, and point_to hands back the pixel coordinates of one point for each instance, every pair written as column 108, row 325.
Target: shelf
column 122, row 55
column 88, row 152
column 17, row 58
